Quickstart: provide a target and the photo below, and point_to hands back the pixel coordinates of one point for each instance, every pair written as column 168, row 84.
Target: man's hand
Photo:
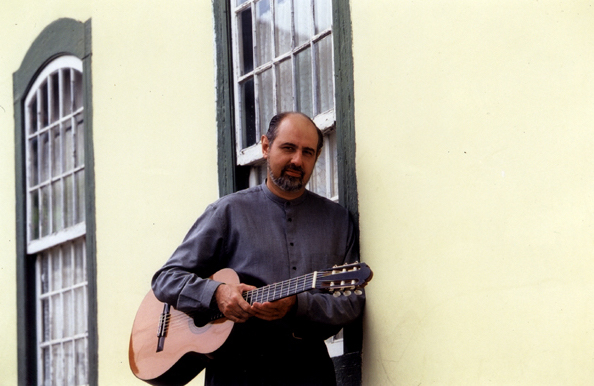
column 273, row 310
column 231, row 302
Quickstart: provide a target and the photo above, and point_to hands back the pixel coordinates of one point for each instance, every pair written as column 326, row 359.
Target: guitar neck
column 281, row 289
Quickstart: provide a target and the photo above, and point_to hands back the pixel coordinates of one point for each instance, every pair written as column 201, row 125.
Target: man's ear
column 265, row 146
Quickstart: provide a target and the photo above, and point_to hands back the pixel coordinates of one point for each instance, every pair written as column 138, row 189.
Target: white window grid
column 62, row 328
column 284, row 63
column 54, row 128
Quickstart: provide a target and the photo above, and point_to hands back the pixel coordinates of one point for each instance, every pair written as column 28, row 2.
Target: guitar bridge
column 163, row 327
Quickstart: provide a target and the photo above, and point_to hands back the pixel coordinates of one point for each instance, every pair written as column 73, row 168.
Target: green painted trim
column 62, row 37
column 224, row 94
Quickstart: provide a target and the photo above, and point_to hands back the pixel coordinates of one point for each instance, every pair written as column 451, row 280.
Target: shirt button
column 289, row 220
column 291, row 244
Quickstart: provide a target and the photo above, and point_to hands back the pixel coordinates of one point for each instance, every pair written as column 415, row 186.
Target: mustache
column 293, row 167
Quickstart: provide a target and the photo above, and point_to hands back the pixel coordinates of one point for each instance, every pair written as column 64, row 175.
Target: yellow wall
column 155, row 157
column 474, row 124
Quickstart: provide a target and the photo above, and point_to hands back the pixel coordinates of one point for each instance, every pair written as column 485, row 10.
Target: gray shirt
column 265, row 239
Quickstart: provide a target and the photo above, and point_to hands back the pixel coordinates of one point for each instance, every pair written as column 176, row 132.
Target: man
column 267, row 234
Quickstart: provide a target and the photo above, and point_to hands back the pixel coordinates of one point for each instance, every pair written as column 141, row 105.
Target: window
column 54, row 127
column 56, row 288
column 283, row 61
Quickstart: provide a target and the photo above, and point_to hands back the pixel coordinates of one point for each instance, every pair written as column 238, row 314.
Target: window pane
column 32, row 111
column 69, row 201
column 77, row 90
column 56, row 151
column 249, row 113
column 303, row 74
column 81, row 361
column 34, row 214
column 285, row 86
column 44, row 157
column 266, row 95
column 79, row 152
column 67, row 91
column 43, row 97
column 325, row 84
column 246, row 42
column 45, row 209
column 264, row 31
column 54, row 93
column 57, row 206
column 303, row 20
column 67, row 147
column 282, row 26
column 323, row 14
column 80, row 196
column 33, row 161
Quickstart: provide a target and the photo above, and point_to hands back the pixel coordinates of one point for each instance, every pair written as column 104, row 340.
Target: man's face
column 291, row 157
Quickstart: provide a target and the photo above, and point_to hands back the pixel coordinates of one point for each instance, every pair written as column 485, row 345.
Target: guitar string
column 299, row 284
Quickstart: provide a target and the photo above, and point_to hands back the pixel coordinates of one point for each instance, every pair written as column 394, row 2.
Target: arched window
column 55, row 209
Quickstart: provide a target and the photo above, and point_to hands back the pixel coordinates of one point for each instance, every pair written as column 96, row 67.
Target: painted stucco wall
column 475, row 131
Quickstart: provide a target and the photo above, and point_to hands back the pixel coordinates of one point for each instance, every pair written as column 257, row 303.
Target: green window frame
column 233, row 177
column 62, row 37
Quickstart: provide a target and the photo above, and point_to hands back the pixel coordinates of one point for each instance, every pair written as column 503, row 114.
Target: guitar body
column 186, row 347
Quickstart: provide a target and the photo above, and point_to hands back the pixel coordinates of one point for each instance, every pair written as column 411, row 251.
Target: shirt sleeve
column 324, row 314
column 183, row 281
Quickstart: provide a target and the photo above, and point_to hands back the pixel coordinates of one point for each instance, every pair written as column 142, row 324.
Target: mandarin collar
column 281, row 200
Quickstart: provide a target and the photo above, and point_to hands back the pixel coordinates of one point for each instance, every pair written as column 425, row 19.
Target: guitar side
column 185, row 347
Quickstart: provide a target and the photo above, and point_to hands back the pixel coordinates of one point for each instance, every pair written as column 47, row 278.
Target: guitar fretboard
column 277, row 291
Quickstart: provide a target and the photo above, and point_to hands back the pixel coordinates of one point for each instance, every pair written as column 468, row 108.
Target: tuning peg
column 336, row 294
column 347, row 293
column 358, row 292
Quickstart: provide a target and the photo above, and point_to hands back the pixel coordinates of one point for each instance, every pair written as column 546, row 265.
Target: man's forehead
column 296, row 126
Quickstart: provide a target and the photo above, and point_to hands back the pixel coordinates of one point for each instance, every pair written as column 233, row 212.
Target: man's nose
column 297, row 158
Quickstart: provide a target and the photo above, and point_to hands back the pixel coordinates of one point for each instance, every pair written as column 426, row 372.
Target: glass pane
column 45, row 210
column 245, row 41
column 32, row 112
column 34, row 215
column 79, row 263
column 67, row 275
column 68, row 314
column 45, row 274
column 54, row 101
column 80, row 316
column 56, row 269
column 47, row 372
column 323, row 14
column 264, row 31
column 303, row 19
column 239, row 2
column 69, row 363
column 282, row 26
column 44, row 157
column 285, row 86
column 325, row 84
column 249, row 113
column 67, row 147
column 46, row 326
column 56, row 317
column 81, row 362
column 304, row 89
column 57, row 365
column 77, row 87
column 57, row 206
column 79, row 152
column 43, row 97
column 33, row 161
column 69, row 201
column 56, row 151
column 266, row 95
column 80, row 196
column 66, row 92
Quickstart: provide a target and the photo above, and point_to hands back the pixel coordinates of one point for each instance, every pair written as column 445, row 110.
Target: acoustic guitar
column 170, row 347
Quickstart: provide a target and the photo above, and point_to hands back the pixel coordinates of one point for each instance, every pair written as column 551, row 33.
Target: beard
column 286, row 182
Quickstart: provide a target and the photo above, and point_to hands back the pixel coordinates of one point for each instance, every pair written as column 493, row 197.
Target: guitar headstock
column 344, row 278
